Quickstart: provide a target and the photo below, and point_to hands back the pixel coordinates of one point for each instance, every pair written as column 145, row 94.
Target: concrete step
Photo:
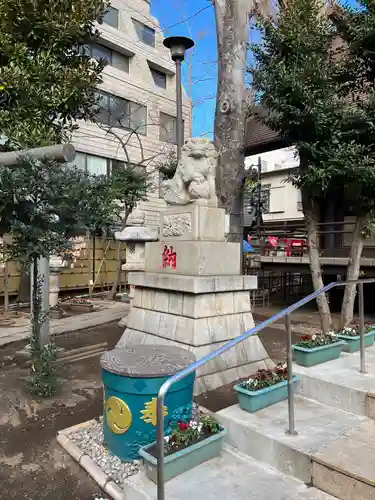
column 339, row 383
column 262, row 435
column 345, row 467
column 232, row 476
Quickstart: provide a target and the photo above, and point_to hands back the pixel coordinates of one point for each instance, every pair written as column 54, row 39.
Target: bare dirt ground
column 32, row 464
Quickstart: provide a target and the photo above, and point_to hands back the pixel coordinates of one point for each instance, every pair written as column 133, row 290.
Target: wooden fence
column 95, row 263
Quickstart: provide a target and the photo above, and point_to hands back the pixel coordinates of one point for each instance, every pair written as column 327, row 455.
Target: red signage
column 169, row 257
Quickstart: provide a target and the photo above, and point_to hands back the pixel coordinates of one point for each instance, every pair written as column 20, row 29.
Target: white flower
column 200, row 427
column 167, row 439
column 313, row 337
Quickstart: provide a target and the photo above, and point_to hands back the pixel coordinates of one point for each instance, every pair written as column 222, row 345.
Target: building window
column 111, row 17
column 265, row 195
column 113, row 58
column 264, row 165
column 299, row 201
column 160, row 78
column 117, row 112
column 168, row 128
column 144, row 33
column 96, row 165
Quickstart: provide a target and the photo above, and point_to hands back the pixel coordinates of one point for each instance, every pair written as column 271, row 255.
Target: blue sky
column 200, row 26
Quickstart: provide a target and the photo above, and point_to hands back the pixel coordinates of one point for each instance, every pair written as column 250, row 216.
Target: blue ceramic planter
column 137, row 393
column 253, row 401
column 317, row 355
column 353, row 343
column 183, row 460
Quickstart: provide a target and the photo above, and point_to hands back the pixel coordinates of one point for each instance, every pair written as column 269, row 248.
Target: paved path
column 33, row 466
column 104, row 312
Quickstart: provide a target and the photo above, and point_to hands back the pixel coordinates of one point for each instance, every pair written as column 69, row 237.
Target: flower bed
column 316, row 349
column 79, row 305
column 263, row 389
column 351, row 335
column 187, row 445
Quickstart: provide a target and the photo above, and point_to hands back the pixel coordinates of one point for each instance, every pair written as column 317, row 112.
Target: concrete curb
column 87, row 463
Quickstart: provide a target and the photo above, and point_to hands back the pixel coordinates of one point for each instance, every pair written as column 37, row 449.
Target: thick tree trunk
column 232, row 21
column 311, row 213
column 352, row 272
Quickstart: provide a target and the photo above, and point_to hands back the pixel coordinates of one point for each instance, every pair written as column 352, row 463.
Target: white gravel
column 90, row 441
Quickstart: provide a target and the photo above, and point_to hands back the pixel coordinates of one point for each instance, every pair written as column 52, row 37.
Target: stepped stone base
column 201, row 315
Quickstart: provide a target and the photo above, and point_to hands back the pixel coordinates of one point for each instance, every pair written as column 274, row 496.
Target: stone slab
column 193, row 284
column 353, row 454
column 137, row 233
column 195, row 306
column 231, row 476
column 195, row 258
column 341, row 485
column 339, row 383
column 192, row 223
column 189, row 331
column 262, row 434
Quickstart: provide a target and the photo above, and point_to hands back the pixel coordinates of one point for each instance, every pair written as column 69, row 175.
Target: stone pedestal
column 56, row 264
column 192, row 295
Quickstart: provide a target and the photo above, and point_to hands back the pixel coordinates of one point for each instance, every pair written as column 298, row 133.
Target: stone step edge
column 340, row 485
column 282, row 448
column 341, row 470
column 360, row 392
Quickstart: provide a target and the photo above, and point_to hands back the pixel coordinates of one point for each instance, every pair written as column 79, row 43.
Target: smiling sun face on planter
column 118, row 415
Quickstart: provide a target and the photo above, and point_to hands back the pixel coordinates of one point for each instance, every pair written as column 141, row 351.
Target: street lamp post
column 178, row 45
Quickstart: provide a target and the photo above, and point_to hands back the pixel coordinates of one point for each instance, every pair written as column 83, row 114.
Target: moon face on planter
column 118, row 415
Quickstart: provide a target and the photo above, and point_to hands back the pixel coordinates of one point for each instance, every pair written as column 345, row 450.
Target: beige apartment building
column 137, row 120
column 281, row 200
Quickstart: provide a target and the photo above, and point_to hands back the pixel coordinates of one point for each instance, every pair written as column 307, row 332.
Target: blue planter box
column 317, row 355
column 183, row 460
column 253, row 401
column 353, row 343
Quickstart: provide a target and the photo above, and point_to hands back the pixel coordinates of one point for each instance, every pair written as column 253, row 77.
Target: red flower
column 304, row 338
column 174, row 438
column 182, row 426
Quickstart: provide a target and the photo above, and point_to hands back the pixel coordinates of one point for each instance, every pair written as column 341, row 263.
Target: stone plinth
column 194, row 258
column 193, row 222
column 199, row 314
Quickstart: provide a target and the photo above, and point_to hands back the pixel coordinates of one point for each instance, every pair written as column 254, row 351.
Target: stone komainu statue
column 194, row 178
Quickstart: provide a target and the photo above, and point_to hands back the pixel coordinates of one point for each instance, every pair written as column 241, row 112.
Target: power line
column 188, row 18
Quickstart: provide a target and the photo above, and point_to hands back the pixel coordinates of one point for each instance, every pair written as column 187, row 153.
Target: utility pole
column 60, row 153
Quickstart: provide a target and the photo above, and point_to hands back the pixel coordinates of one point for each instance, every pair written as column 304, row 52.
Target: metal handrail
column 285, row 313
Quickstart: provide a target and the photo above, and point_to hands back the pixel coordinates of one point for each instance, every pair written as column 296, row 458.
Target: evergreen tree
column 47, row 80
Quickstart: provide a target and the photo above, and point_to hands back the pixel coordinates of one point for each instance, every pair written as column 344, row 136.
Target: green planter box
column 253, row 401
column 353, row 343
column 317, row 355
column 183, row 460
